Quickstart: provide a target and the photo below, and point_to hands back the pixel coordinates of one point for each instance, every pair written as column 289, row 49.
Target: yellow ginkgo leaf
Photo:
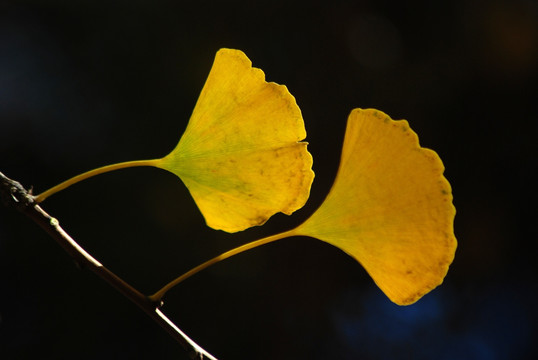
column 241, row 156
column 390, row 207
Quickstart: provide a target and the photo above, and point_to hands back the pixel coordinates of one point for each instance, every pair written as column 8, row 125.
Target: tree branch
column 14, row 195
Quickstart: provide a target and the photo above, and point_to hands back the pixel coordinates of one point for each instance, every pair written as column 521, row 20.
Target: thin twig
column 13, row 194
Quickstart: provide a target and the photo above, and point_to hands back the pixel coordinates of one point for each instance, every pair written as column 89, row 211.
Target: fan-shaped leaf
column 241, row 156
column 390, row 207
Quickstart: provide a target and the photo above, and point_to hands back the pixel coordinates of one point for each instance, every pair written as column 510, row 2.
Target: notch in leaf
column 241, row 156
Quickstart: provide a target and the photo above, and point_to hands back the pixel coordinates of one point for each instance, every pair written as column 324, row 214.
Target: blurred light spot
column 507, row 38
column 492, row 322
column 370, row 325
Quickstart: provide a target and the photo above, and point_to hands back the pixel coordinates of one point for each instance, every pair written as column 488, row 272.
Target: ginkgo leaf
column 241, row 156
column 390, row 207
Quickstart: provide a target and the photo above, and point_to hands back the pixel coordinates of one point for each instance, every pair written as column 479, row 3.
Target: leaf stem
column 251, row 245
column 88, row 174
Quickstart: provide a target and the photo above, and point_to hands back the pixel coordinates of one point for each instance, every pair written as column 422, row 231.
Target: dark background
column 89, row 83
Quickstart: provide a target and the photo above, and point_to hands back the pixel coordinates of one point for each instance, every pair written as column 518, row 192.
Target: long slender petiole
column 251, row 245
column 88, row 174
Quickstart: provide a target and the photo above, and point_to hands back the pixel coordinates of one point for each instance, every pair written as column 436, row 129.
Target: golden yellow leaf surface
column 241, row 156
column 390, row 207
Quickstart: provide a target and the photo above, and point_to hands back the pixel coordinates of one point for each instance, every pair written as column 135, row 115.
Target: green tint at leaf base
column 241, row 157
